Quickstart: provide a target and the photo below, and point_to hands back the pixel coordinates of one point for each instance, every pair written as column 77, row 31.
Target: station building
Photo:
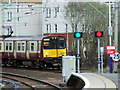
column 22, row 17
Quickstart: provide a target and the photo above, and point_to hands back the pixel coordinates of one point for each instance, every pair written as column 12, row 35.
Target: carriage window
column 0, row 46
column 19, row 44
column 10, row 46
column 32, row 46
column 6, row 46
column 23, row 46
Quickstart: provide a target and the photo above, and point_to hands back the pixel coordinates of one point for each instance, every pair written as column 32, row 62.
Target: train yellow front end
column 53, row 50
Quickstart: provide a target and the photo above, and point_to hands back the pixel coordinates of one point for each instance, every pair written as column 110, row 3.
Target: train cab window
column 32, row 46
column 0, row 46
column 46, row 43
column 54, row 43
column 10, row 46
column 23, row 46
column 19, row 45
column 6, row 46
column 61, row 43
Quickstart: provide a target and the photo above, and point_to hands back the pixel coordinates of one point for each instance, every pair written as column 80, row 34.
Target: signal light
column 99, row 34
column 77, row 34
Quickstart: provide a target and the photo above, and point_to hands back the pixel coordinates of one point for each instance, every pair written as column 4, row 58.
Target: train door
column 28, row 49
column 38, row 48
column 14, row 49
column 33, row 50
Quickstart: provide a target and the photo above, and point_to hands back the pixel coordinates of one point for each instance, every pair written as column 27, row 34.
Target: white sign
column 116, row 57
column 111, row 49
column 102, row 50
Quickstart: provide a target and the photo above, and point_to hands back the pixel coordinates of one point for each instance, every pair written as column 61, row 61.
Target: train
column 33, row 51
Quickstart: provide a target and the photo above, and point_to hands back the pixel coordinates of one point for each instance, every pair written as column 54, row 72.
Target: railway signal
column 77, row 34
column 99, row 34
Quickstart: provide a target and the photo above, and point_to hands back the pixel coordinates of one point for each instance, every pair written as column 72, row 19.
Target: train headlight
column 48, row 55
column 60, row 55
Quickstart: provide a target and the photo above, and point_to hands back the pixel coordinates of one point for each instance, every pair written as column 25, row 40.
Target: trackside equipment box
column 68, row 67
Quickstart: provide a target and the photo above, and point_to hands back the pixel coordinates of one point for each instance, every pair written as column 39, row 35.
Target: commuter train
column 33, row 51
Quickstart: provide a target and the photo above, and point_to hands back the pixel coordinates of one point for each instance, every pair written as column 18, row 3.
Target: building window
column 66, row 12
column 56, row 10
column 48, row 28
column 55, row 28
column 66, row 28
column 9, row 16
column 48, row 12
column 32, row 46
column 74, row 27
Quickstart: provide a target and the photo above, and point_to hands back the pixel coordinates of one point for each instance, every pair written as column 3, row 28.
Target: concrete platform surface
column 95, row 80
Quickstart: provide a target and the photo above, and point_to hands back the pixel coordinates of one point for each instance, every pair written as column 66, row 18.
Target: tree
column 93, row 20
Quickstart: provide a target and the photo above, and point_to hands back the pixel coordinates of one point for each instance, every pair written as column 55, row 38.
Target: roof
column 22, row 38
column 24, row 1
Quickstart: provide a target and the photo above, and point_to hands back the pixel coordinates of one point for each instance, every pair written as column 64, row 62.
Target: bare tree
column 94, row 20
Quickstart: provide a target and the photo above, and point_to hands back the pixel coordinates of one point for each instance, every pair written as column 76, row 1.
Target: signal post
column 98, row 34
column 78, row 35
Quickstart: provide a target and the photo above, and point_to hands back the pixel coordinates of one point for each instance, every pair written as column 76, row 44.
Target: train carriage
column 34, row 51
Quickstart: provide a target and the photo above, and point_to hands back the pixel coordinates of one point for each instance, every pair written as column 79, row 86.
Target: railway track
column 10, row 80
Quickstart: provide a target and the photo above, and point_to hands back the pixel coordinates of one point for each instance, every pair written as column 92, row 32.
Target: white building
column 24, row 17
column 53, row 17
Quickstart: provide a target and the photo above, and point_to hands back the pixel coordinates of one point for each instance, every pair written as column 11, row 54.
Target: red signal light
column 98, row 34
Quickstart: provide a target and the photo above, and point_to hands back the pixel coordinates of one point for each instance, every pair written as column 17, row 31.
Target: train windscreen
column 54, row 43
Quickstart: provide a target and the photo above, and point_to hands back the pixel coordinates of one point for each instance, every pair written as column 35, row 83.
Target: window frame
column 55, row 27
column 48, row 12
column 9, row 16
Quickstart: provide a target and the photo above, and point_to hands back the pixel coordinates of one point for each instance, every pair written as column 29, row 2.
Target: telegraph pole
column 116, row 35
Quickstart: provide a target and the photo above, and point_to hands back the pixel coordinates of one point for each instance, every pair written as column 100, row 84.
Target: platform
column 91, row 80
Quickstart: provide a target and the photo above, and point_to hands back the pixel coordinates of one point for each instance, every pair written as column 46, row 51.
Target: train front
column 54, row 48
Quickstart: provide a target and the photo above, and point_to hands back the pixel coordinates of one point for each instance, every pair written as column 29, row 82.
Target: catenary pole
column 110, row 34
column 116, row 35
